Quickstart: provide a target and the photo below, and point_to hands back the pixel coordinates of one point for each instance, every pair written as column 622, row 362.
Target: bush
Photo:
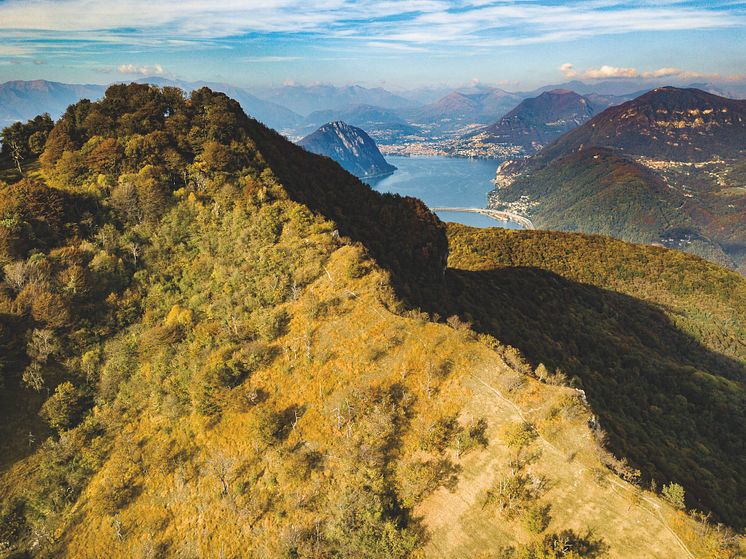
column 674, row 494
column 472, row 436
column 64, row 408
column 519, row 435
column 439, row 434
column 536, row 518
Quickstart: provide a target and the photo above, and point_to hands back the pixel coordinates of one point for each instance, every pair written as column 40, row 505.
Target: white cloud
column 395, row 23
column 12, row 50
column 568, row 71
column 272, row 58
column 606, row 72
column 155, row 70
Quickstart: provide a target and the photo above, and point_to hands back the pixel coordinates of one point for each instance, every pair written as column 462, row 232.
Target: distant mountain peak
column 537, row 121
column 560, row 91
column 668, row 122
column 349, row 146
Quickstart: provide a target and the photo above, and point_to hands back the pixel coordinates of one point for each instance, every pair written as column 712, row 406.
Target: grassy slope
column 656, row 338
column 582, row 492
column 355, row 341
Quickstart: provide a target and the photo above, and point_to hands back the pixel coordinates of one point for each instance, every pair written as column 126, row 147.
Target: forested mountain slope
column 220, row 327
column 537, row 121
column 664, row 168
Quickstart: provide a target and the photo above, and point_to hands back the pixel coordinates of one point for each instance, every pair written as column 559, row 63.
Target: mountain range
column 666, row 167
column 349, row 146
column 308, row 99
column 416, row 115
column 538, row 121
column 216, row 343
column 385, row 125
column 666, row 123
column 23, row 100
column 462, row 108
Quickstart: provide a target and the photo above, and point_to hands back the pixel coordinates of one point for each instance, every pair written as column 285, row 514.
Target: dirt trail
column 613, row 479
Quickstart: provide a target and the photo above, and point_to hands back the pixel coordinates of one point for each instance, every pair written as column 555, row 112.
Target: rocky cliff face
column 349, row 146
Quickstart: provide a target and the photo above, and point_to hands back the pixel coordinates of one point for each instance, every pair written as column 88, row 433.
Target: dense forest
column 599, row 190
column 211, row 347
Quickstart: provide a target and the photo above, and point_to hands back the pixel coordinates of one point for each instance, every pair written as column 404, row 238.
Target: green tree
column 519, row 435
column 63, row 408
column 536, row 518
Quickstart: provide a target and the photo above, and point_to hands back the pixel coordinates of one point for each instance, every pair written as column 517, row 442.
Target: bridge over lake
column 494, row 214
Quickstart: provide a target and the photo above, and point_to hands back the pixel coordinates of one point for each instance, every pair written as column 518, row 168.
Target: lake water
column 450, row 182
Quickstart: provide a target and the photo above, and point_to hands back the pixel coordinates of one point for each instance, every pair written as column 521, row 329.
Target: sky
column 397, row 44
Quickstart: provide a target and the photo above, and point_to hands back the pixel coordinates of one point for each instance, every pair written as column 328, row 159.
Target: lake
column 451, row 182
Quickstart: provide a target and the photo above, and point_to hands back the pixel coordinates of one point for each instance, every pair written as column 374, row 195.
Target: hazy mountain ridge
column 307, row 99
column 537, row 121
column 23, row 100
column 461, row 108
column 384, row 125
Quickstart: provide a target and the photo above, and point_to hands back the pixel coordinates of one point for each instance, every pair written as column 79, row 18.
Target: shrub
column 472, row 436
column 519, row 435
column 674, row 494
column 439, row 434
column 536, row 518
column 63, row 409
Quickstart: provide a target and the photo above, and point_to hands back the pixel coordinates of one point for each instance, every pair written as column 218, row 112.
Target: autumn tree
column 62, row 410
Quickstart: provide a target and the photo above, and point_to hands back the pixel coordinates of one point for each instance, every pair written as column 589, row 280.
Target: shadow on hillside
column 669, row 404
column 21, row 428
column 400, row 232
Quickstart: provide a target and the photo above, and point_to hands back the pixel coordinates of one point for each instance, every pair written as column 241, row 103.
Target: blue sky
column 391, row 43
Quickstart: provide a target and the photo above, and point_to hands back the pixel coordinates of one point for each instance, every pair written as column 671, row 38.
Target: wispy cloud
column 12, row 50
column 389, row 24
column 615, row 72
column 272, row 58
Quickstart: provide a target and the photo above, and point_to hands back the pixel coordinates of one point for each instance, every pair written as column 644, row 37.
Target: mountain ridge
column 663, row 168
column 226, row 330
column 537, row 121
column 307, row 99
column 665, row 122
